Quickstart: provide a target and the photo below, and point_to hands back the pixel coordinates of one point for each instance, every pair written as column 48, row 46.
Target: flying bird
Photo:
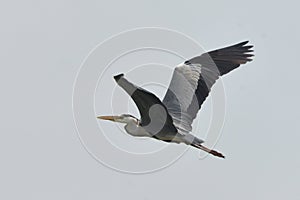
column 171, row 119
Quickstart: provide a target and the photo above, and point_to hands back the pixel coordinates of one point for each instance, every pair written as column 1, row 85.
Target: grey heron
column 170, row 120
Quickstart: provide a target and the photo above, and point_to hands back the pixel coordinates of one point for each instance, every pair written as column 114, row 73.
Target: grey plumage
column 171, row 119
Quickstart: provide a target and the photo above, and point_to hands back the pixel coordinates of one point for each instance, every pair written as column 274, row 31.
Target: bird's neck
column 133, row 128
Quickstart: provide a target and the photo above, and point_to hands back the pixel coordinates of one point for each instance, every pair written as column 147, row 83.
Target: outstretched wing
column 154, row 115
column 193, row 80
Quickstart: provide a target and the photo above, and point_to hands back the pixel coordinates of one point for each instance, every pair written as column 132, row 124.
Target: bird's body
column 170, row 120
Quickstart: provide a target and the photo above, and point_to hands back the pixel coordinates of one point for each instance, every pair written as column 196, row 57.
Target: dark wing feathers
column 145, row 101
column 226, row 59
column 213, row 64
column 187, row 80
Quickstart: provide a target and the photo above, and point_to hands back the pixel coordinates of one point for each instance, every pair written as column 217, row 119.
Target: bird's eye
column 124, row 115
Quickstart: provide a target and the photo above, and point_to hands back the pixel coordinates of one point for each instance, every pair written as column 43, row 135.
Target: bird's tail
column 211, row 151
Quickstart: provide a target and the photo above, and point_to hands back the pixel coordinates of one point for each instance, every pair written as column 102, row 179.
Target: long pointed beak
column 111, row 118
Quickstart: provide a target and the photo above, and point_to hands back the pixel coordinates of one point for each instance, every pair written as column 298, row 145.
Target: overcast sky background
column 42, row 47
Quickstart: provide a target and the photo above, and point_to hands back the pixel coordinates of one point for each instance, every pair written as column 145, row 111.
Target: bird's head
column 124, row 118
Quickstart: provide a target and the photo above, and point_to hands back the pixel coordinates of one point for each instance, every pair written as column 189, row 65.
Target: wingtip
column 244, row 42
column 117, row 77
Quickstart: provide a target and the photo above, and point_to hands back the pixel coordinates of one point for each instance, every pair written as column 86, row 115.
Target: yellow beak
column 111, row 118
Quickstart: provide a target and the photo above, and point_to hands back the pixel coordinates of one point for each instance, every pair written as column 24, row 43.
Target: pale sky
column 43, row 45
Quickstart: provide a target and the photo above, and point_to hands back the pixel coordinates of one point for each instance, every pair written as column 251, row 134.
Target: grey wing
column 192, row 81
column 154, row 115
